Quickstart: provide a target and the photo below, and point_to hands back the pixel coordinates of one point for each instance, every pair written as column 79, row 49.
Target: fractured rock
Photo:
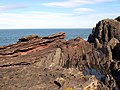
column 50, row 62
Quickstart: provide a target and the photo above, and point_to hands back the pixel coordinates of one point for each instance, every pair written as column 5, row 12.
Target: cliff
column 53, row 63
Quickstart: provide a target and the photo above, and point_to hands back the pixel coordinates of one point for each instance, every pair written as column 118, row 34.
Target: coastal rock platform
column 53, row 63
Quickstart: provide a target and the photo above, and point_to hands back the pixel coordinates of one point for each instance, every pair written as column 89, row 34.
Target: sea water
column 10, row 36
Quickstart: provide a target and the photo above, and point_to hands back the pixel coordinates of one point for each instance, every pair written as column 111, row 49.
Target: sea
column 11, row 36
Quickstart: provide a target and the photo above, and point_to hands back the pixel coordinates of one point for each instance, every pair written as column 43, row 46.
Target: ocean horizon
column 10, row 36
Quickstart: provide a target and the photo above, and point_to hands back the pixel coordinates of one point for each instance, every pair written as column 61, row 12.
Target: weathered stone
column 97, row 43
column 60, row 82
column 113, row 42
column 54, row 63
column 105, row 30
column 106, row 37
column 27, row 38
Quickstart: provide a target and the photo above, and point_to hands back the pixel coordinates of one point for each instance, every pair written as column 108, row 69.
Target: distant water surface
column 10, row 36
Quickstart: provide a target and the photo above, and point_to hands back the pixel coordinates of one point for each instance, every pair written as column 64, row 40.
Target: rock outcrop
column 28, row 38
column 46, row 63
column 53, row 63
column 105, row 30
column 118, row 18
column 106, row 34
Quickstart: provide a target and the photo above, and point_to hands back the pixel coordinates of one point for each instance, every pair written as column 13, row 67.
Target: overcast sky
column 17, row 14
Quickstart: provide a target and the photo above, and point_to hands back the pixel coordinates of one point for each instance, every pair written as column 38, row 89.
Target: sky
column 30, row 14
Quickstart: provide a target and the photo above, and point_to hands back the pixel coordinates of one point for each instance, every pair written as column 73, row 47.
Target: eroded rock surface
column 106, row 34
column 53, row 63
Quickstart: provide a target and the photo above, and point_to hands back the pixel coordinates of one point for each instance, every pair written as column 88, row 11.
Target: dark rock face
column 118, row 18
column 107, row 34
column 105, row 30
column 116, row 52
column 52, row 63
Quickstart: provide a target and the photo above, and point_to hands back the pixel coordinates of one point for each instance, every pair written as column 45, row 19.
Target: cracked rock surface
column 53, row 63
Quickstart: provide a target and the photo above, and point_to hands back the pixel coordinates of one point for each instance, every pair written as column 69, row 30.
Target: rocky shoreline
column 53, row 63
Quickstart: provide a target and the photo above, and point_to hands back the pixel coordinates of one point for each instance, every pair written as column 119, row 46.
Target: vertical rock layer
column 106, row 34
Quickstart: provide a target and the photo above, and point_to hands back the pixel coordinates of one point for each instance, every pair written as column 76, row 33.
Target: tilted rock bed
column 53, row 63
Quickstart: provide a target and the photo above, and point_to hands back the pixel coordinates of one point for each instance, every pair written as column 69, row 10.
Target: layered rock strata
column 106, row 34
column 53, row 63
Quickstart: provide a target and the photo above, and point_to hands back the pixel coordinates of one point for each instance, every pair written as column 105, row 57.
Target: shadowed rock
column 106, row 34
column 105, row 30
column 118, row 18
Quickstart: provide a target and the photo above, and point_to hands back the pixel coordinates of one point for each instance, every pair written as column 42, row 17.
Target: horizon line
column 41, row 28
